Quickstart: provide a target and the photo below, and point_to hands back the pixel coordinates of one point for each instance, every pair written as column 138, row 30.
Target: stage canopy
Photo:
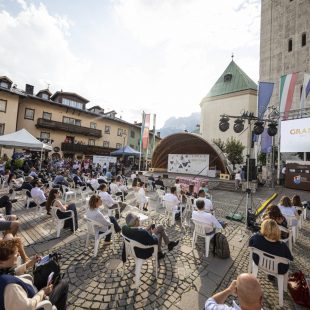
column 126, row 151
column 187, row 143
column 23, row 139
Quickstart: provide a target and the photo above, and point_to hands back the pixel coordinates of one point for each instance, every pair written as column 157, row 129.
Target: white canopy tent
column 23, row 139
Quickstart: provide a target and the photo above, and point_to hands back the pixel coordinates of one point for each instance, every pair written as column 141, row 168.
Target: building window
column 303, row 39
column 4, row 84
column 91, row 142
column 290, row 45
column 45, row 135
column 132, row 134
column 3, row 105
column 29, row 114
column 107, row 129
column 93, row 125
column 118, row 145
column 106, row 143
column 2, row 126
column 72, row 103
column 72, row 121
column 45, row 96
column 47, row 115
column 119, row 132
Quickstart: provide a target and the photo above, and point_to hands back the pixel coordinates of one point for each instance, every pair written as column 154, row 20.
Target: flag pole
column 141, row 133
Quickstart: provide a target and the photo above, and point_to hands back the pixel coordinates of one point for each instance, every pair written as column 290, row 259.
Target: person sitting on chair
column 54, row 201
column 38, row 194
column 160, row 183
column 149, row 236
column 207, row 218
column 78, row 179
column 94, row 214
column 18, row 292
column 268, row 240
column 287, row 209
column 246, row 288
column 173, row 199
column 115, row 190
column 208, row 202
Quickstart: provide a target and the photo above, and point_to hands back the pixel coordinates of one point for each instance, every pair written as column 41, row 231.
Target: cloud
column 159, row 56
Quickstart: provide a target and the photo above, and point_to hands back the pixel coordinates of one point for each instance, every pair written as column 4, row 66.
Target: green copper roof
column 232, row 80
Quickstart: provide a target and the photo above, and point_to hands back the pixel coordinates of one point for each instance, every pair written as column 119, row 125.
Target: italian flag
column 287, row 87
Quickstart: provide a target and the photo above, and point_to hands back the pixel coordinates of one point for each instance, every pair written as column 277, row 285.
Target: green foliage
column 234, row 149
column 18, row 163
column 262, row 158
column 220, row 143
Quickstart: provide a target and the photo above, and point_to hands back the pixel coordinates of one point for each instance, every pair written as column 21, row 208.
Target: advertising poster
column 103, row 159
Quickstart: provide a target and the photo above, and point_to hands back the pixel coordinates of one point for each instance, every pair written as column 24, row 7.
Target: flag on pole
column 154, row 126
column 265, row 90
column 305, row 90
column 287, row 87
column 145, row 137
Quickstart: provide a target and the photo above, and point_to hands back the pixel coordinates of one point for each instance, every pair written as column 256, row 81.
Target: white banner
column 189, row 163
column 295, row 135
column 103, row 159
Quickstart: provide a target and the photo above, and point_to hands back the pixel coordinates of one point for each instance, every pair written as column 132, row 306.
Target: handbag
column 299, row 290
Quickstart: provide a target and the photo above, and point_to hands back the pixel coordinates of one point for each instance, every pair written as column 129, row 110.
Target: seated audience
column 287, row 209
column 62, row 212
column 18, row 292
column 201, row 215
column 6, row 203
column 208, row 202
column 151, row 181
column 114, row 189
column 77, row 179
column 33, row 173
column 268, row 240
column 146, row 236
column 141, row 198
column 205, row 188
column 27, row 184
column 94, row 214
column 60, row 179
column 107, row 199
column 173, row 199
column 297, row 204
column 246, row 288
column 38, row 194
column 191, row 192
column 159, row 182
column 9, row 224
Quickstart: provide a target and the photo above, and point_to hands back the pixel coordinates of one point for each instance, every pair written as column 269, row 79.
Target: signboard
column 297, row 175
column 196, row 164
column 103, row 159
column 295, row 135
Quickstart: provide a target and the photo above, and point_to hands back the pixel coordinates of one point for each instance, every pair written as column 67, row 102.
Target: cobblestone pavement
column 185, row 277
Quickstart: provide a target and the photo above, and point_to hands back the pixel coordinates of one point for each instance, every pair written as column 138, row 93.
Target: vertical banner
column 266, row 142
column 154, row 133
column 145, row 136
column 305, row 90
column 287, row 88
column 264, row 94
column 141, row 134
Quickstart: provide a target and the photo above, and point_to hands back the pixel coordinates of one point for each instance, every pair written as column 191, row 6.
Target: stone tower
column 285, row 44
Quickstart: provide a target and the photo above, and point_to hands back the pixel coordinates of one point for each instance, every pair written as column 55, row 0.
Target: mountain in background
column 174, row 125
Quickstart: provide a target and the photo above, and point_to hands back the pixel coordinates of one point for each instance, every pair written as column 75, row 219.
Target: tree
column 219, row 143
column 234, row 149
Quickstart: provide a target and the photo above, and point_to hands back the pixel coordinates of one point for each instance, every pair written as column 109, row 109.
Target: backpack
column 298, row 287
column 41, row 272
column 220, row 246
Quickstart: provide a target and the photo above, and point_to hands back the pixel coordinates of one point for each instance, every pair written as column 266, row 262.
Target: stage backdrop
column 295, row 135
column 103, row 159
column 188, row 163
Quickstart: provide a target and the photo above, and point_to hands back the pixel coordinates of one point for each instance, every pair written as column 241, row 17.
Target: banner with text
column 295, row 135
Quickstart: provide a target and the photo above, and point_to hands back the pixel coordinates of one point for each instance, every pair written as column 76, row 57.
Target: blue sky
column 160, row 56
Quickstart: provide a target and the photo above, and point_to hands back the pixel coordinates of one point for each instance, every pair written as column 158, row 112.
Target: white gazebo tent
column 23, row 139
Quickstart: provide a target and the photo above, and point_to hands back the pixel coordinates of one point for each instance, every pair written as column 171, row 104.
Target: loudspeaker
column 252, row 171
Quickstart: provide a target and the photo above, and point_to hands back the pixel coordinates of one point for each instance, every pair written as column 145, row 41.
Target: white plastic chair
column 200, row 230
column 38, row 207
column 130, row 252
column 269, row 264
column 289, row 239
column 93, row 229
column 290, row 221
column 161, row 193
column 141, row 200
column 301, row 216
column 68, row 192
column 170, row 211
column 28, row 199
column 59, row 223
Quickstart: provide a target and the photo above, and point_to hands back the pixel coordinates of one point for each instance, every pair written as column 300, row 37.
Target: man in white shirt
column 38, row 194
column 208, row 202
column 173, row 200
column 207, row 218
column 107, row 199
column 246, row 288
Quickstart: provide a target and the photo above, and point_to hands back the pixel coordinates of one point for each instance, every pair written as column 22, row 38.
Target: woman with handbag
column 62, row 212
column 17, row 290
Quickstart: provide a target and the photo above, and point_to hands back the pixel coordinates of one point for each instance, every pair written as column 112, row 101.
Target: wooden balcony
column 85, row 149
column 75, row 129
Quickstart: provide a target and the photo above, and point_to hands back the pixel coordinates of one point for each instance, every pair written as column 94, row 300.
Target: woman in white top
column 105, row 221
column 287, row 209
column 141, row 198
column 53, row 200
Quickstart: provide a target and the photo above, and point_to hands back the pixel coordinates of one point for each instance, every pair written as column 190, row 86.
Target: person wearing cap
column 146, row 236
column 38, row 194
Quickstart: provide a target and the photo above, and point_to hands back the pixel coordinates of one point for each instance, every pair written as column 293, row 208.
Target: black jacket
column 140, row 235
